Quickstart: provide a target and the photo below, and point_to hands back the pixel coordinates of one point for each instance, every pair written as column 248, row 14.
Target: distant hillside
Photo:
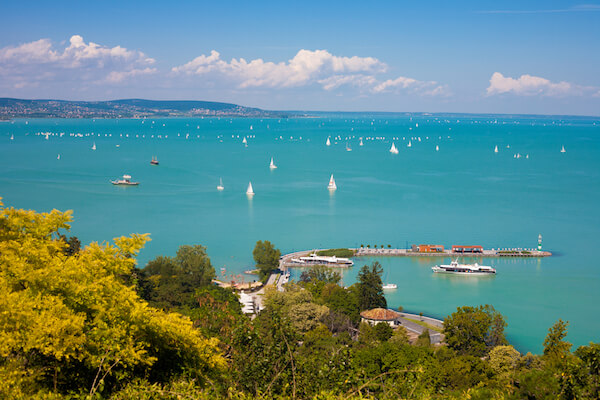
column 127, row 108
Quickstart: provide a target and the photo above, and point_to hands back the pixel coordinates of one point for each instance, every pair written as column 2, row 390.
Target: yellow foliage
column 61, row 309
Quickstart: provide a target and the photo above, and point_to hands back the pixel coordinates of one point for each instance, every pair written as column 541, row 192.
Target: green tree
column 370, row 287
column 296, row 305
column 195, row 265
column 474, row 330
column 266, row 257
column 424, row 340
column 383, row 331
column 504, row 360
column 174, row 280
column 555, row 347
column 590, row 357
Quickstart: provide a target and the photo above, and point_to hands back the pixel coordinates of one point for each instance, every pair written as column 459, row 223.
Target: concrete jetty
column 365, row 252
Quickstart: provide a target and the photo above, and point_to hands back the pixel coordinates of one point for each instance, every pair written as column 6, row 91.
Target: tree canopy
column 370, row 287
column 474, row 330
column 266, row 257
column 72, row 322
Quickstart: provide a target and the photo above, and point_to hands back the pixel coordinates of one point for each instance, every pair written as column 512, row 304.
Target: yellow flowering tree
column 74, row 323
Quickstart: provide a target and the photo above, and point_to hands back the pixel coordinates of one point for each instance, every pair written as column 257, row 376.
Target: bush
column 345, row 253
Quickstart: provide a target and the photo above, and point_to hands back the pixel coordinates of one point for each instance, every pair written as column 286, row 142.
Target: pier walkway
column 365, row 252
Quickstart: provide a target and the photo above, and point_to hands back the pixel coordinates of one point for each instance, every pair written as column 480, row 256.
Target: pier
column 439, row 251
column 366, row 252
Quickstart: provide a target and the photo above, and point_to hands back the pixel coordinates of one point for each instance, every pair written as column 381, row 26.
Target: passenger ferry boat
column 125, row 181
column 464, row 269
column 314, row 259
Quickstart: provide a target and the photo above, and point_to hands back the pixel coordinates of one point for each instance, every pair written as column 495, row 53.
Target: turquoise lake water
column 462, row 194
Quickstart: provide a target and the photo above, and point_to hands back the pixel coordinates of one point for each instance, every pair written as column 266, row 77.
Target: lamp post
column 540, row 242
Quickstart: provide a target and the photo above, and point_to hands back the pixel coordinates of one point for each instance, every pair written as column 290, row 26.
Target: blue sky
column 473, row 56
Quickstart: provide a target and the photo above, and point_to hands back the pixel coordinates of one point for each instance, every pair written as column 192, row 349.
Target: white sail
column 332, row 185
column 220, row 187
column 328, row 142
column 249, row 191
column 562, row 150
column 94, row 146
column 437, row 148
column 272, row 164
column 244, row 140
column 496, row 149
column 58, row 158
column 409, row 144
column 393, row 149
column 12, row 137
column 361, row 142
column 348, row 148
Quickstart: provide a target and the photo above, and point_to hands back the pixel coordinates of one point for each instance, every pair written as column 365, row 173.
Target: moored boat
column 463, row 269
column 315, row 259
column 389, row 286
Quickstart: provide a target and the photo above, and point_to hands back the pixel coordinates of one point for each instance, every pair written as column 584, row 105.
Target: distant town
column 128, row 108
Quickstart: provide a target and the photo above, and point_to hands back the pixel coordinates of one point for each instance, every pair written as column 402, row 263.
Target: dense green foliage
column 73, row 325
column 370, row 287
column 168, row 282
column 344, row 253
column 266, row 257
column 475, row 330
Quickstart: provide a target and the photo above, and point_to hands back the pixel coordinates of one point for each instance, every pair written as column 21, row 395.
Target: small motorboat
column 154, row 160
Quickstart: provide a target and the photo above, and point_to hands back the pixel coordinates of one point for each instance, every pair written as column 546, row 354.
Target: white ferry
column 314, row 259
column 389, row 286
column 464, row 269
column 126, row 181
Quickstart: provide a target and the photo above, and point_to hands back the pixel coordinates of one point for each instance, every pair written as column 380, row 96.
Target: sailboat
column 251, row 127
column 154, row 161
column 332, row 185
column 272, row 164
column 437, row 148
column 220, row 187
column 409, row 144
column 393, row 149
column 328, row 142
column 58, row 158
column 496, row 149
column 249, row 191
column 12, row 137
column 562, row 150
column 348, row 148
column 94, row 146
column 361, row 142
column 245, row 141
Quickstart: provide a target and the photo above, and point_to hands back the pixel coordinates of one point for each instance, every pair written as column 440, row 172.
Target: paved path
column 435, row 337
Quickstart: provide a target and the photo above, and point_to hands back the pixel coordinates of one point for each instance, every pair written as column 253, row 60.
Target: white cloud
column 404, row 84
column 31, row 63
column 335, row 81
column 528, row 85
column 306, row 67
